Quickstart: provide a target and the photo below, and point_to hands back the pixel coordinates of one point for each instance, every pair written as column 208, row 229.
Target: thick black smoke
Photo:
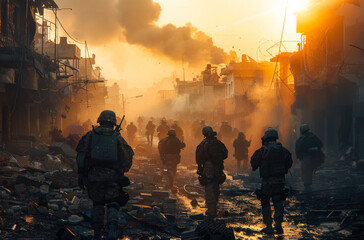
column 135, row 21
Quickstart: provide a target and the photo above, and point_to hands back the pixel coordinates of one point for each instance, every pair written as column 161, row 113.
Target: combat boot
column 268, row 230
column 278, row 227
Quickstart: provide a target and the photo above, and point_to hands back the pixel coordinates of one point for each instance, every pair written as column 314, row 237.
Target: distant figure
column 150, row 128
column 140, row 123
column 309, row 152
column 103, row 158
column 225, row 131
column 210, row 156
column 241, row 146
column 198, row 130
column 169, row 150
column 163, row 129
column 131, row 129
column 273, row 161
column 179, row 130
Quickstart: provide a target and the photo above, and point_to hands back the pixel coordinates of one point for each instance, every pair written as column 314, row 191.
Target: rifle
column 118, row 127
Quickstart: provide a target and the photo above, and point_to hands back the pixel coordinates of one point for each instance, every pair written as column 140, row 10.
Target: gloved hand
column 81, row 184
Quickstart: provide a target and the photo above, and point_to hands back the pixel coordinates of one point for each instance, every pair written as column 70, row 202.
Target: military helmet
column 208, row 131
column 270, row 133
column 172, row 132
column 304, row 128
column 107, row 116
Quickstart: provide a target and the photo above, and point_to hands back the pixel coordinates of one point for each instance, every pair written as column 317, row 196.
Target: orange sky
column 246, row 26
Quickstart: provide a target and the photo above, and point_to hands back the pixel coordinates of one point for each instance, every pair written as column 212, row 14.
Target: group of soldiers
column 104, row 157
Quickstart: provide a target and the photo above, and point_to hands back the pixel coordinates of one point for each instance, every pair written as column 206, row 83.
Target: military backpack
column 273, row 161
column 104, row 148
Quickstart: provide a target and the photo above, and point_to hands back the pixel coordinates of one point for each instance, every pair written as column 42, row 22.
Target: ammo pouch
column 204, row 180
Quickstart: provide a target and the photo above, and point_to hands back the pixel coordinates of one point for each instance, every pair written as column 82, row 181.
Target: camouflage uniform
column 104, row 178
column 273, row 161
column 241, row 146
column 308, row 151
column 169, row 150
column 210, row 156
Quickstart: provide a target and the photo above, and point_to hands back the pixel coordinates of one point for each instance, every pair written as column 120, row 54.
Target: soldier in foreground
column 169, row 150
column 309, row 152
column 103, row 158
column 241, row 146
column 150, row 128
column 210, row 156
column 273, row 161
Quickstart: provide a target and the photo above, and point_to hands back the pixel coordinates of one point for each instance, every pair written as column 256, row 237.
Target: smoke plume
column 136, row 22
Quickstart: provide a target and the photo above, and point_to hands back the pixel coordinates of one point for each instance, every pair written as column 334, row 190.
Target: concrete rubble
column 48, row 203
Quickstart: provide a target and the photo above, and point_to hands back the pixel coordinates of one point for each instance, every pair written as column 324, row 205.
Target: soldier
column 241, row 146
column 210, row 156
column 140, row 123
column 103, row 158
column 225, row 131
column 309, row 152
column 150, row 128
column 198, row 129
column 179, row 130
column 273, row 161
column 163, row 129
column 131, row 130
column 169, row 150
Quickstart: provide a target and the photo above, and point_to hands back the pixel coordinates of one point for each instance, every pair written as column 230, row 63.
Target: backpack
column 273, row 162
column 104, row 149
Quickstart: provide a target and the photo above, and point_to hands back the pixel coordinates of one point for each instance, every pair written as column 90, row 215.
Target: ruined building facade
column 329, row 76
column 28, row 95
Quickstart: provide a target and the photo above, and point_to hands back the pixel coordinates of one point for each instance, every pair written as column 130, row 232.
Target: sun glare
column 298, row 5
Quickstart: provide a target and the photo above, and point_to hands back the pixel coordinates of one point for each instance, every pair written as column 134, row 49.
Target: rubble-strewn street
column 40, row 202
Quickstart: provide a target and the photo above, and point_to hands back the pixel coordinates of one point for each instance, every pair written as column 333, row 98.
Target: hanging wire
column 69, row 35
column 280, row 44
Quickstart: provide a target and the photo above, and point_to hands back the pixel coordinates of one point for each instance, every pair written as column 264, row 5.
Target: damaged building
column 28, row 79
column 329, row 76
column 241, row 79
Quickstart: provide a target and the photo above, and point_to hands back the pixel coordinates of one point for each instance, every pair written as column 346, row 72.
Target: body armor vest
column 273, row 162
column 104, row 149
